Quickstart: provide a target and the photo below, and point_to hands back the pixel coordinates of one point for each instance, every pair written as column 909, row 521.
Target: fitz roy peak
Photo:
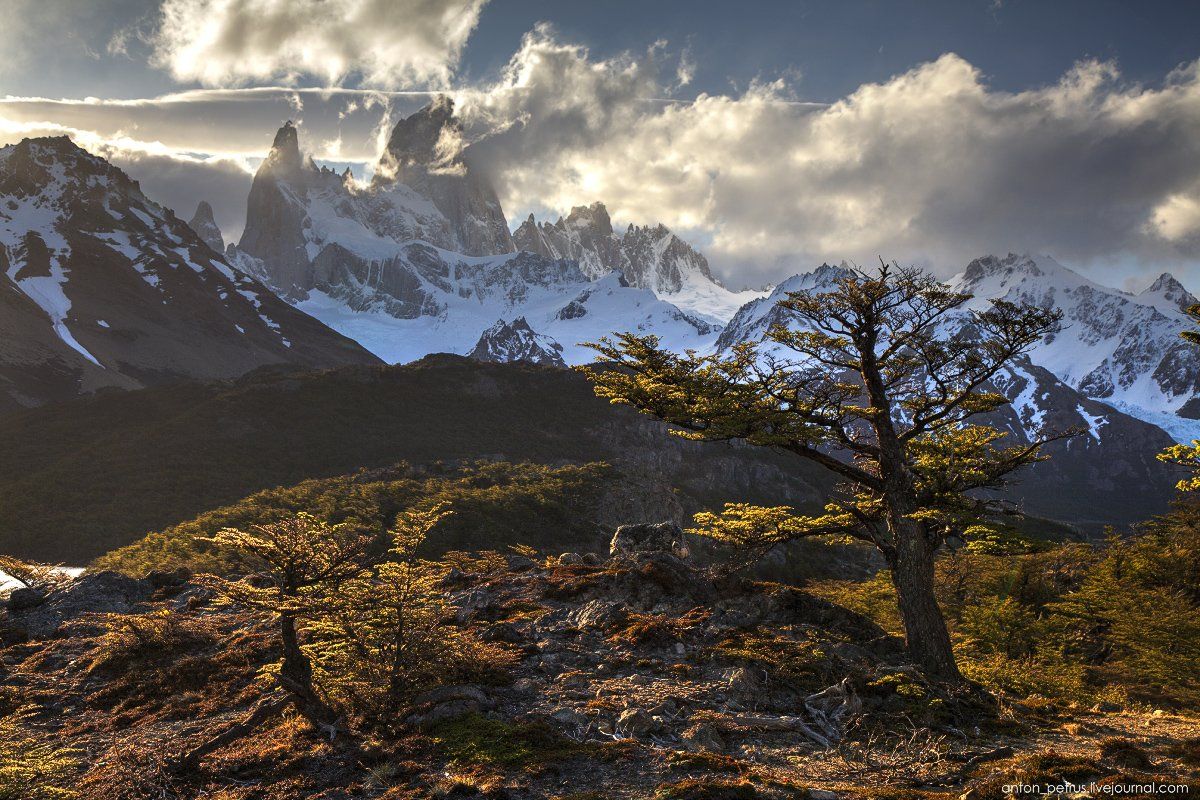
column 102, row 287
column 420, row 260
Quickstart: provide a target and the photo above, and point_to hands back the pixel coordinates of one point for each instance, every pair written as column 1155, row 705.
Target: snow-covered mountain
column 420, row 260
column 1117, row 449
column 1121, row 348
column 100, row 286
column 651, row 257
column 516, row 341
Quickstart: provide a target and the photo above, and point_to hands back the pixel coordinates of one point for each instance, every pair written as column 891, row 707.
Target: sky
column 772, row 135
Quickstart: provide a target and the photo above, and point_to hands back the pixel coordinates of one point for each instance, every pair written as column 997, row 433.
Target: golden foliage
column 30, row 768
column 1188, row 457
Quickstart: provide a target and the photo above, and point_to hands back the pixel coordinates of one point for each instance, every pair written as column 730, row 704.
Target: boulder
column 645, row 539
column 703, row 736
column 101, row 592
column 520, row 563
column 599, row 614
column 24, row 598
column 634, row 723
column 570, row 560
column 448, row 702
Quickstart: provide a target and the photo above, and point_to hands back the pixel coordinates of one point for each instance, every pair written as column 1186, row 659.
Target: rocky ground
column 633, row 675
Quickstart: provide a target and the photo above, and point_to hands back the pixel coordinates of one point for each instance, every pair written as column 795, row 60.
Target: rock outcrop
column 205, row 226
column 516, row 341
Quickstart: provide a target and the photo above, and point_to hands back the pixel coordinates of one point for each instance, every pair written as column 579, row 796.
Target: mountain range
column 102, row 287
column 105, row 288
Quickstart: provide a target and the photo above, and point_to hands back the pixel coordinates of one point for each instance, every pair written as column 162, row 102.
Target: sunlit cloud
column 382, row 43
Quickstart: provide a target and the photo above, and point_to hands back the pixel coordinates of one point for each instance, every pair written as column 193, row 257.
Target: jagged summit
column 517, row 341
column 284, row 159
column 650, row 256
column 415, row 138
column 594, row 217
column 1167, row 288
column 205, row 226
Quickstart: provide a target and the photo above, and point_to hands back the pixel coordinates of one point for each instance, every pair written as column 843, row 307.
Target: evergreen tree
column 1194, row 313
column 876, row 391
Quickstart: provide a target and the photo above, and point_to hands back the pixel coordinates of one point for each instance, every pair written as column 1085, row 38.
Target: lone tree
column 300, row 560
column 877, row 380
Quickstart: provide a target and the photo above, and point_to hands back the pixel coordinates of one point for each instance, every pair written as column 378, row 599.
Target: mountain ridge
column 102, row 287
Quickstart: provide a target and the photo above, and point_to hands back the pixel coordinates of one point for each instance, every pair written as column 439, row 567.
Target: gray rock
column 519, row 563
column 744, row 681
column 448, row 702
column 570, row 559
column 634, row 723
column 703, row 736
column 503, row 632
column 660, row 537
column 599, row 614
column 101, row 592
column 24, row 598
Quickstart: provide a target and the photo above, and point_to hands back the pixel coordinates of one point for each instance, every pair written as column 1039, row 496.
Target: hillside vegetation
column 629, row 674
column 82, row 478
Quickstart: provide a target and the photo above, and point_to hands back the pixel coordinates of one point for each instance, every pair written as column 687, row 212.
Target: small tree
column 301, row 559
column 383, row 637
column 875, row 388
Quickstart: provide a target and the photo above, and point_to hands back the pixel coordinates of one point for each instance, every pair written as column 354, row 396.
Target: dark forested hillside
column 81, row 478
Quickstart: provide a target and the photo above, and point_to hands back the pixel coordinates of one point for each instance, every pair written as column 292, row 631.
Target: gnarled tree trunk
column 924, row 626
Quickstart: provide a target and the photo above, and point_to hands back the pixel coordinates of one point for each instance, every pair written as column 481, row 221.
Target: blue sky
column 796, row 132
column 834, row 46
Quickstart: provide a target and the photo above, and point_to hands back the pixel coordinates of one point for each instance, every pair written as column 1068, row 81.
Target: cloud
column 384, row 43
column 932, row 166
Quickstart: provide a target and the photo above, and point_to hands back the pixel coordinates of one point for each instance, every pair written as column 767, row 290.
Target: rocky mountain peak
column 594, row 219
column 517, row 341
column 1167, row 287
column 415, row 139
column 991, row 265
column 205, row 226
column 650, row 256
column 31, row 165
column 285, row 150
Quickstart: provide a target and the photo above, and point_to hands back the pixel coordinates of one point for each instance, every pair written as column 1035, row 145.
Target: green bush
column 1119, row 621
column 495, row 503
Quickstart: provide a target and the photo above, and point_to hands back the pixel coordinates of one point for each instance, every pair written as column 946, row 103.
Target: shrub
column 382, row 637
column 495, row 503
column 31, row 769
column 130, row 638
